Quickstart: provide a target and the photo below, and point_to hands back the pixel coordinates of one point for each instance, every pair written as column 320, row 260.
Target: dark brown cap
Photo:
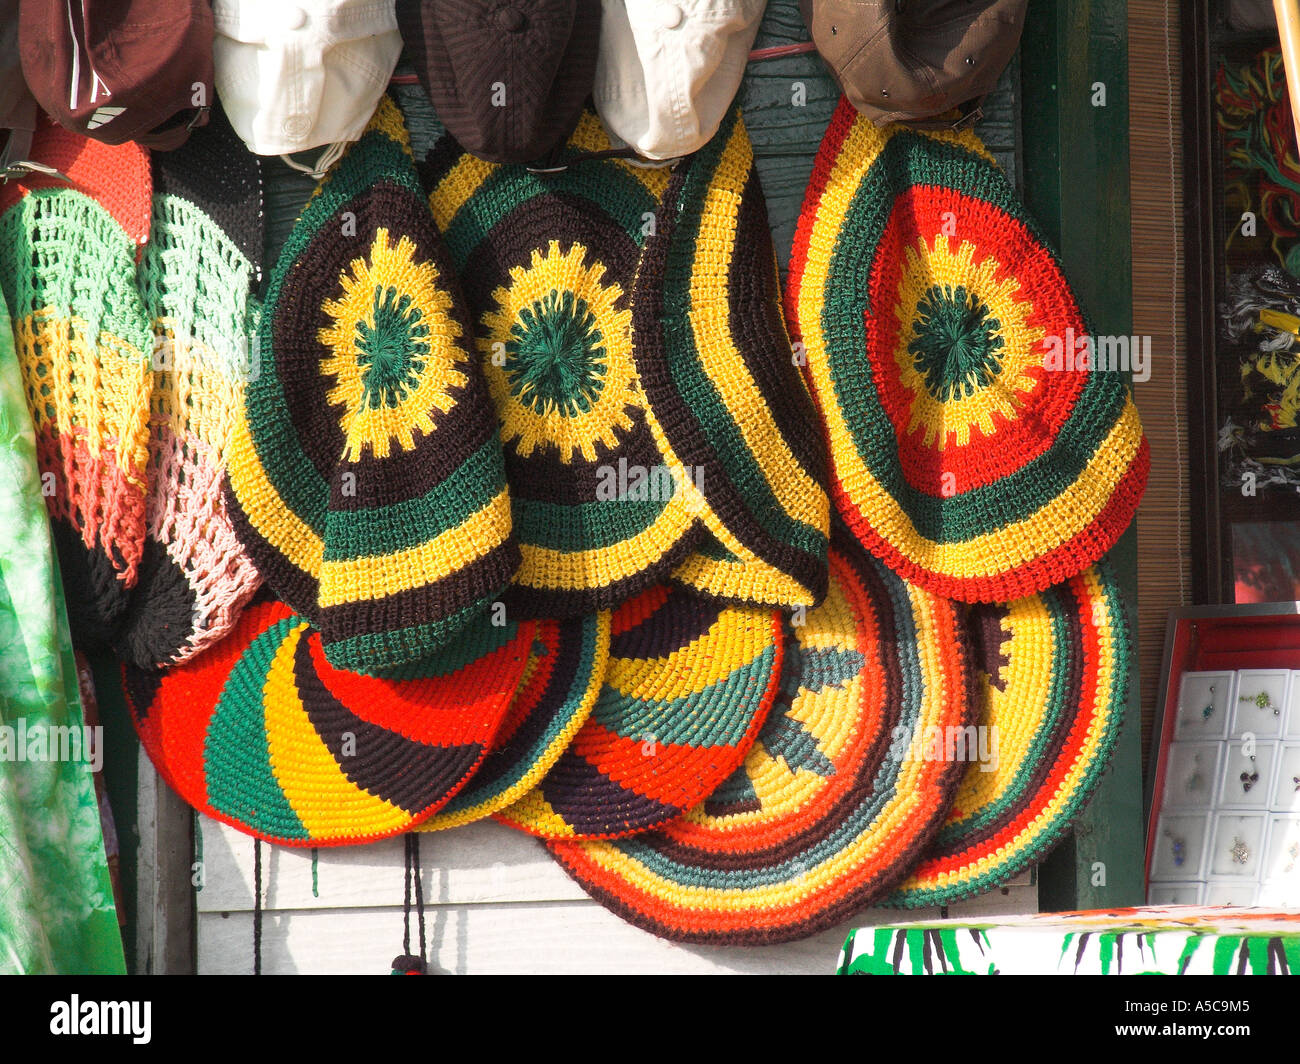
column 119, row 70
column 508, row 79
column 913, row 60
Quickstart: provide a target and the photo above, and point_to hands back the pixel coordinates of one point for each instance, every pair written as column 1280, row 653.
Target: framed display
column 1223, row 790
column 1242, row 192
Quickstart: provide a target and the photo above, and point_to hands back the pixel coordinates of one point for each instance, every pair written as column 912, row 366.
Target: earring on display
column 1240, row 851
column 1208, row 711
column 1261, row 701
column 1179, row 848
column 1248, row 780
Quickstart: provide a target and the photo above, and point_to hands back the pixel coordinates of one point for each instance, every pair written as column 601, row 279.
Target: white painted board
column 496, row 903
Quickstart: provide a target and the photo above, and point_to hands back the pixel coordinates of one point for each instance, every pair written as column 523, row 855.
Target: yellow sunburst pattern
column 394, row 349
column 557, row 353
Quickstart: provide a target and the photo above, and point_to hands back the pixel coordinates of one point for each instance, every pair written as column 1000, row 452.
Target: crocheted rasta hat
column 366, row 476
column 688, row 686
column 197, row 276
column 262, row 733
column 727, row 398
column 566, row 667
column 839, row 795
column 547, row 262
column 83, row 342
column 1052, row 688
column 975, row 444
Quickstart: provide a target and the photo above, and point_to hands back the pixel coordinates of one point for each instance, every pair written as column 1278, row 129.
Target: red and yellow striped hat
column 262, row 733
column 979, row 445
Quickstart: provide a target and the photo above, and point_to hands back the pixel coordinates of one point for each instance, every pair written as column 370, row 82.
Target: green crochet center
column 556, row 357
column 958, row 342
column 393, row 350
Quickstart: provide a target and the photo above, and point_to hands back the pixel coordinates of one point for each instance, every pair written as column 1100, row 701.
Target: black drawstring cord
column 257, row 906
column 407, row 963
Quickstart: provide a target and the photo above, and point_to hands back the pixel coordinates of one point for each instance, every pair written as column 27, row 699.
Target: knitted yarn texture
column 688, row 686
column 1052, row 685
column 83, row 342
column 197, row 278
column 548, row 262
column 565, row 671
column 982, row 442
column 838, row 796
column 262, row 733
column 726, row 396
column 366, row 474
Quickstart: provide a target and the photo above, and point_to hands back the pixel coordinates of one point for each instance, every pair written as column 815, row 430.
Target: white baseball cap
column 303, row 74
column 668, row 70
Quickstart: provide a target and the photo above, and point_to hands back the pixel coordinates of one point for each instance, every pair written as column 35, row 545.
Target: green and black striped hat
column 366, row 473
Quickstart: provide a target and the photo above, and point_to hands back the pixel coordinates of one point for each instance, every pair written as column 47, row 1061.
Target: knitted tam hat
column 83, row 343
column 717, row 367
column 688, row 686
column 366, row 476
column 975, row 444
column 1052, row 687
column 547, row 263
column 197, row 277
column 839, row 795
column 262, row 733
column 566, row 667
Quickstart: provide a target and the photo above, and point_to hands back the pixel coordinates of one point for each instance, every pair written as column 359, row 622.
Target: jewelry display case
column 1223, row 800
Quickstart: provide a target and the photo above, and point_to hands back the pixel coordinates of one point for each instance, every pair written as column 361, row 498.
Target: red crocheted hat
column 261, row 732
column 984, row 442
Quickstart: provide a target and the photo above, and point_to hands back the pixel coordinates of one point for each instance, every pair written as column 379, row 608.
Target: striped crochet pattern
column 197, row 277
column 1053, row 685
column 974, row 447
column 687, row 689
column 366, row 473
column 839, row 795
column 727, row 399
column 565, row 671
column 262, row 733
column 548, row 263
column 83, row 342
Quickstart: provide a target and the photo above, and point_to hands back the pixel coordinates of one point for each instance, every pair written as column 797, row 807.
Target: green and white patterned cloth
column 56, row 900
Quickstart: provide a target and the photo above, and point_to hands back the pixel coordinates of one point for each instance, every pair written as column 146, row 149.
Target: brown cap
column 508, row 80
column 119, row 70
column 913, row 60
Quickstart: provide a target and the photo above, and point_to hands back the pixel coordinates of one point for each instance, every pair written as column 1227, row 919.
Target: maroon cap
column 119, row 70
column 508, row 78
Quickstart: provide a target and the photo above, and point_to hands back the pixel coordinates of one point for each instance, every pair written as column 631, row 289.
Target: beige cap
column 668, row 70
column 298, row 75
